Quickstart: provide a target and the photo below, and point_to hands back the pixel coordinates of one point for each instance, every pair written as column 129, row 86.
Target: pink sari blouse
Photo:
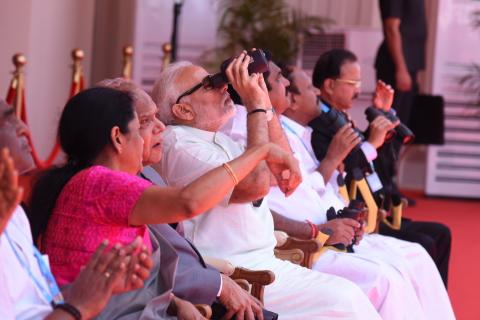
column 94, row 205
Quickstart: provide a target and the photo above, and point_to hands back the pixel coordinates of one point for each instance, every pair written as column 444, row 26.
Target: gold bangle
column 231, row 173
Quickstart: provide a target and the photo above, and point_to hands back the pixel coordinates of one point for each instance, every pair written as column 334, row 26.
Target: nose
column 159, row 126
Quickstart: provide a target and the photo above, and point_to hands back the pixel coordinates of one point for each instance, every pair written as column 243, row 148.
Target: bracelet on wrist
column 256, row 111
column 268, row 112
column 70, row 309
column 231, row 173
column 314, row 227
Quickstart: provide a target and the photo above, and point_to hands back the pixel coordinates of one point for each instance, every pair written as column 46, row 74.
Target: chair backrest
column 359, row 183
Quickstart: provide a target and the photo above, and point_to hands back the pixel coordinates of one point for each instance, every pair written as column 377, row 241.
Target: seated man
column 403, row 269
column 29, row 298
column 337, row 74
column 240, row 229
column 195, row 281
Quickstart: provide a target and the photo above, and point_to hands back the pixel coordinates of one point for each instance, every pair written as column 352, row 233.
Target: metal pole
column 177, row 8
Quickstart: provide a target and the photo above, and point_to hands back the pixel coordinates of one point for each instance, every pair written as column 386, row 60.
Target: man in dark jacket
column 337, row 75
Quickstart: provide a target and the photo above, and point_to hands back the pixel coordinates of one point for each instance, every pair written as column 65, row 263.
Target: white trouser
column 413, row 262
column 390, row 292
column 300, row 293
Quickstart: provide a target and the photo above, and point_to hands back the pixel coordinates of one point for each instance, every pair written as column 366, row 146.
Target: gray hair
column 165, row 91
column 123, row 85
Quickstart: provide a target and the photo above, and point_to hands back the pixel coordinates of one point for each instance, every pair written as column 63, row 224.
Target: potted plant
column 268, row 24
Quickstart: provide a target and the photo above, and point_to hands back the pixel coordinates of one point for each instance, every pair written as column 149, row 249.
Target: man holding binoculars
column 337, row 74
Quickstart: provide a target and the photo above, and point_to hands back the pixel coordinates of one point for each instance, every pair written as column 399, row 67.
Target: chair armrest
column 205, row 310
column 258, row 279
column 309, row 248
column 293, row 255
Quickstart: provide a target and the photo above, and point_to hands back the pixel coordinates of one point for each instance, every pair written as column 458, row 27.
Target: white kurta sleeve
column 369, row 151
column 7, row 310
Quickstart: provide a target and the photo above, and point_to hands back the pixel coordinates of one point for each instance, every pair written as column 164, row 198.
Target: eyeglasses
column 207, row 83
column 355, row 83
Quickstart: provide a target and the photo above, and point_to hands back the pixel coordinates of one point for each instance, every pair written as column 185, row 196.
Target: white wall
column 359, row 13
column 14, row 36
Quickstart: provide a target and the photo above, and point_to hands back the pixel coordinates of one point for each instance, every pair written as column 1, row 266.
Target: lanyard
column 286, row 126
column 53, row 294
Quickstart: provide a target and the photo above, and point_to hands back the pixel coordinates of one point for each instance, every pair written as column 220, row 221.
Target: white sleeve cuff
column 317, row 182
column 221, row 286
column 369, row 151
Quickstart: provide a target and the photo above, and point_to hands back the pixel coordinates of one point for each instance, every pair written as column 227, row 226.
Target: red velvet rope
column 12, row 94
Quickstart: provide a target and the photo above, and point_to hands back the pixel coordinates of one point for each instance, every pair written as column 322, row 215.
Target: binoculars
column 356, row 210
column 258, row 64
column 402, row 131
column 334, row 120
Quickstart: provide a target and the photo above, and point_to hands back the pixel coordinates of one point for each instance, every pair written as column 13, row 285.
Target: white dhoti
column 413, row 262
column 300, row 293
column 390, row 292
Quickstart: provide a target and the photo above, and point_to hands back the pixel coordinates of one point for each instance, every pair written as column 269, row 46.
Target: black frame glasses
column 206, row 83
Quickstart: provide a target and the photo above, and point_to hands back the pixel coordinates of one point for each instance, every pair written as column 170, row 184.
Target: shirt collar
column 296, row 127
column 202, row 134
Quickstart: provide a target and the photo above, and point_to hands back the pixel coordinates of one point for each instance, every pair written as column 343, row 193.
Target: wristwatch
column 268, row 112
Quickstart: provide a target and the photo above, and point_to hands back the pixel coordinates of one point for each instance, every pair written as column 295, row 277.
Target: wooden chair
column 298, row 251
column 250, row 280
column 360, row 184
column 375, row 214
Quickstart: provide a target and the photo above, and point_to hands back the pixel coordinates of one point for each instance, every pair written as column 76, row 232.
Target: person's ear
column 328, row 86
column 293, row 102
column 184, row 112
column 117, row 139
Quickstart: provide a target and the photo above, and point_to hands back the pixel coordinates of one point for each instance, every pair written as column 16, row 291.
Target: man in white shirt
column 386, row 256
column 240, row 229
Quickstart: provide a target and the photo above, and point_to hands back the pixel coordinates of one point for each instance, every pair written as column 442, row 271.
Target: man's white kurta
column 20, row 298
column 404, row 269
column 243, row 234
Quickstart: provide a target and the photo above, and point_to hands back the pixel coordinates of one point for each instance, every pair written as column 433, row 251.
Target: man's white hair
column 165, row 91
column 124, row 85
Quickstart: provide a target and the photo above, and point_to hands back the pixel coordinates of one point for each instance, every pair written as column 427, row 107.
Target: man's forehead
column 4, row 106
column 145, row 106
column 350, row 68
column 5, row 110
column 274, row 69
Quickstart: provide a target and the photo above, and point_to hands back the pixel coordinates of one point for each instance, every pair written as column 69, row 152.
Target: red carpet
column 463, row 217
